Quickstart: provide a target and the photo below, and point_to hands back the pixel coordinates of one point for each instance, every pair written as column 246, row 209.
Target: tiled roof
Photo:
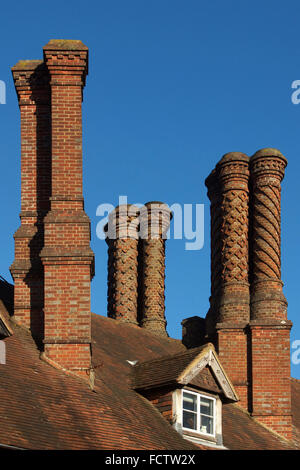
column 43, row 408
column 241, row 432
column 163, row 371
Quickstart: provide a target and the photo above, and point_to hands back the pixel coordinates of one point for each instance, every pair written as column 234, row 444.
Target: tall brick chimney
column 230, row 311
column 155, row 219
column 33, row 91
column 214, row 195
column 247, row 319
column 234, row 310
column 269, row 327
column 67, row 257
column 122, row 241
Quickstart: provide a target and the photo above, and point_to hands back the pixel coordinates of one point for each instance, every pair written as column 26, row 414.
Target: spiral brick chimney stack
column 122, row 241
column 155, row 219
column 247, row 319
column 32, row 85
column 230, row 298
column 270, row 329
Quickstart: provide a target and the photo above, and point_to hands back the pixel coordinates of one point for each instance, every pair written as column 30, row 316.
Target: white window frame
column 199, row 396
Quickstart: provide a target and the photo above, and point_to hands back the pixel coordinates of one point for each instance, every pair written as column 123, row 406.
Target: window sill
column 199, row 435
column 198, row 439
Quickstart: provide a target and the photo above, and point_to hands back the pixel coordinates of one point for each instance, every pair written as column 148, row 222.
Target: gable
column 205, row 380
column 208, row 356
column 185, row 368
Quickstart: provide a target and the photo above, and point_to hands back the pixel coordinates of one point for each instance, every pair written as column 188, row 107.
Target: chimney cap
column 27, row 65
column 268, row 152
column 157, row 205
column 65, row 45
column 233, row 157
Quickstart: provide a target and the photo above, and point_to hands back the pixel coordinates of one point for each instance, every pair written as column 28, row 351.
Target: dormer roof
column 190, row 367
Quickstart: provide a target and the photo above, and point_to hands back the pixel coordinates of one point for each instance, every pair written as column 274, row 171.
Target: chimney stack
column 214, row 195
column 67, row 257
column 247, row 316
column 269, row 327
column 32, row 86
column 193, row 332
column 155, row 219
column 234, row 298
column 122, row 241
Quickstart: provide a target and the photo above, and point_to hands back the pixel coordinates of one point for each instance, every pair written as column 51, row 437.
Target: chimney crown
column 155, row 218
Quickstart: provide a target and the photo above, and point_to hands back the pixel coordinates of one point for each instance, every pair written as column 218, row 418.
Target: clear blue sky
column 173, row 85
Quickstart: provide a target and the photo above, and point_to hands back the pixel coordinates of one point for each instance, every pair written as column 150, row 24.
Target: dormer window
column 198, row 413
column 188, row 389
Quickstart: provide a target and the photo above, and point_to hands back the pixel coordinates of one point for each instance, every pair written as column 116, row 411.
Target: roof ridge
column 192, row 351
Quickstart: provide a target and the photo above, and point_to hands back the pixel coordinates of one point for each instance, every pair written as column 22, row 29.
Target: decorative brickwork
column 270, row 329
column 252, row 328
column 233, row 175
column 53, row 265
column 154, row 223
column 267, row 299
column 32, row 85
column 122, row 241
column 67, row 257
column 230, row 311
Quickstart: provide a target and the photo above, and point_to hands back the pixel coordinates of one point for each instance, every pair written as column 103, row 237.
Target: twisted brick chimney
column 67, row 257
column 122, row 241
column 229, row 193
column 32, row 85
column 269, row 327
column 155, row 219
column 136, row 265
column 247, row 319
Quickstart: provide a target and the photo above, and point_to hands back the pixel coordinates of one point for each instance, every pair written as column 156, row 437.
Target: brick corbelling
column 155, row 219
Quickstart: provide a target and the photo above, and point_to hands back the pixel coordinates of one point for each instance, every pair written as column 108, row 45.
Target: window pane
column 206, row 425
column 189, row 402
column 189, row 420
column 207, row 406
